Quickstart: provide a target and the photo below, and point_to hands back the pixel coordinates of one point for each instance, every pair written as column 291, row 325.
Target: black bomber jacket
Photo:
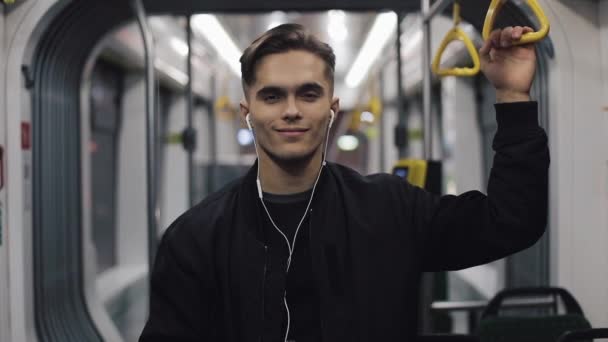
column 371, row 238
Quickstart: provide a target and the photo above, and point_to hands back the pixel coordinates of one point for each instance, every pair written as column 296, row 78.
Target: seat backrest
column 494, row 328
column 529, row 329
column 584, row 335
column 493, row 307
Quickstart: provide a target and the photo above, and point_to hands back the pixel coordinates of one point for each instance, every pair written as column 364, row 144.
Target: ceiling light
column 179, row 46
column 244, row 137
column 336, row 27
column 412, row 44
column 383, row 28
column 274, row 24
column 276, row 18
column 208, row 26
column 348, row 142
column 367, row 117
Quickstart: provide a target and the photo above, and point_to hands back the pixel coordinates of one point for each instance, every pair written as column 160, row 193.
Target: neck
column 292, row 177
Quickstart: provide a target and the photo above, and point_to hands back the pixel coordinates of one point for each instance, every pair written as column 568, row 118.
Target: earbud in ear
column 331, row 117
column 248, row 119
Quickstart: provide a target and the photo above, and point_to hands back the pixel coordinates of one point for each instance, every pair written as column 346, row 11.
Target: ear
column 335, row 106
column 244, row 110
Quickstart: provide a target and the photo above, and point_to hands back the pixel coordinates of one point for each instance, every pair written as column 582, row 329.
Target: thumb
column 485, row 48
column 488, row 44
column 484, row 52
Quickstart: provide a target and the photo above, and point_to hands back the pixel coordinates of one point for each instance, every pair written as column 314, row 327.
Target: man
column 307, row 251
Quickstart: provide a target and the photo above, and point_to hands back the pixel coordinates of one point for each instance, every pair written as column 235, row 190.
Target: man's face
column 290, row 104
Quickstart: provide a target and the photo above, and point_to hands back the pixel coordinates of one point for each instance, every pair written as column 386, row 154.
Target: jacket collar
column 325, row 205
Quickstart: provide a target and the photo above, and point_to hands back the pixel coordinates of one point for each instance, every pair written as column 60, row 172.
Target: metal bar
column 382, row 125
column 402, row 122
column 153, row 212
column 437, row 7
column 213, row 160
column 426, row 83
column 478, row 305
column 189, row 112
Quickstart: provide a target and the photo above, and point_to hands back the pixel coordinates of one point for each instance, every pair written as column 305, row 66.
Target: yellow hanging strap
column 457, row 34
column 527, row 38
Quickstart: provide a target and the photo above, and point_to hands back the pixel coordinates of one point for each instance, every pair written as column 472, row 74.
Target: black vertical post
column 189, row 134
column 401, row 128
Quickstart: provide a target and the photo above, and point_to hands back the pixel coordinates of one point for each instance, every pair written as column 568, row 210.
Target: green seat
column 547, row 328
column 584, row 335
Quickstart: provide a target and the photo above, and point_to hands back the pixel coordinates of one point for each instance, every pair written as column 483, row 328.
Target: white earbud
column 331, row 118
column 248, row 119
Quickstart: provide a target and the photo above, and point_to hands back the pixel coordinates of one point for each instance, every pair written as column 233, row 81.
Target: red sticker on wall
column 26, row 138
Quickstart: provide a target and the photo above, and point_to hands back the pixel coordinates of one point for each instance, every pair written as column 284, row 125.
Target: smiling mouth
column 292, row 132
column 292, row 129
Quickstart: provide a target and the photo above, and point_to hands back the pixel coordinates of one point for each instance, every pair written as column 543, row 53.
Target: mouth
column 292, row 132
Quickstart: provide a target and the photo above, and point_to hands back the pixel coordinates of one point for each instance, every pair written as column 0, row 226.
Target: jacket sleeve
column 462, row 231
column 181, row 299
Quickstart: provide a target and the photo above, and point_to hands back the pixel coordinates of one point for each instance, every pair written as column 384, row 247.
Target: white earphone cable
column 290, row 246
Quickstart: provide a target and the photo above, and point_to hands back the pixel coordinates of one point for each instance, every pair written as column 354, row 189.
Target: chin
column 294, row 156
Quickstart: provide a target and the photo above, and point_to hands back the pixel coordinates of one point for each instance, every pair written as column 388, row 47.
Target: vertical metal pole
column 212, row 177
column 153, row 212
column 426, row 300
column 189, row 113
column 382, row 125
column 426, row 82
column 402, row 121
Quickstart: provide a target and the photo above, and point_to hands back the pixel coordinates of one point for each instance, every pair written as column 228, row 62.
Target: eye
column 271, row 98
column 311, row 96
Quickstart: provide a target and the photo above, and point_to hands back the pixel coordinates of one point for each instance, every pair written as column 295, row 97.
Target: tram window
column 105, row 102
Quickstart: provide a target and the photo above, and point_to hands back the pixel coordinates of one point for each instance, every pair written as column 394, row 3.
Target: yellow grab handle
column 531, row 37
column 457, row 34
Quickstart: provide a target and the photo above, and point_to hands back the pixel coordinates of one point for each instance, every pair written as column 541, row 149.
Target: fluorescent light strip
column 383, row 28
column 171, row 71
column 210, row 27
column 179, row 46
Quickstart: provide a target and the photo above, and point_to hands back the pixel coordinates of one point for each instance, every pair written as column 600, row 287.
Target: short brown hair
column 281, row 39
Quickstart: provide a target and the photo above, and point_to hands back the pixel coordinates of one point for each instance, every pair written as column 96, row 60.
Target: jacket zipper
column 264, row 291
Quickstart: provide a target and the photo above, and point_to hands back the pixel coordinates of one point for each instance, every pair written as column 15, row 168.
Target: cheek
column 321, row 131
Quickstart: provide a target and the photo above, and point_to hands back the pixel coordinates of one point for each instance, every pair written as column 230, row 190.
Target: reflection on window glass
column 106, row 84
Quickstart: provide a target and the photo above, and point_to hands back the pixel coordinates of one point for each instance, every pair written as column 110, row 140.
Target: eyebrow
column 267, row 90
column 310, row 86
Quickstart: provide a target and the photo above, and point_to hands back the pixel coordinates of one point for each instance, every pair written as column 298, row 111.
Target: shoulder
column 373, row 184
column 351, row 176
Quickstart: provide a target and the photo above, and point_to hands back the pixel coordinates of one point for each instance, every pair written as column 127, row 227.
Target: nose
column 292, row 112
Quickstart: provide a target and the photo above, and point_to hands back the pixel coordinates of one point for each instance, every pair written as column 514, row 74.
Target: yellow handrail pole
column 531, row 37
column 456, row 33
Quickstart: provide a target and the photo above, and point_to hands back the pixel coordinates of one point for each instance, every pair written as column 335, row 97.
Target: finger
column 493, row 41
column 517, row 33
column 486, row 47
column 527, row 29
column 505, row 37
column 495, row 38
